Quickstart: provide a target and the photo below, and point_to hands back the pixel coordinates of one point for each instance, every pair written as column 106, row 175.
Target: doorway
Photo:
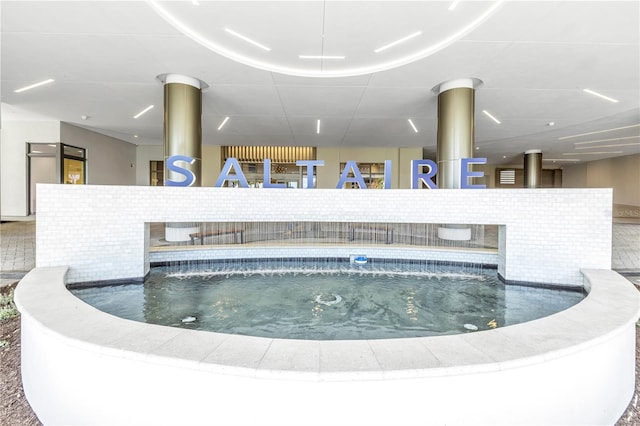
column 53, row 163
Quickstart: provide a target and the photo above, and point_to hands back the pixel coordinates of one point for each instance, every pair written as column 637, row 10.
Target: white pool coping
column 574, row 367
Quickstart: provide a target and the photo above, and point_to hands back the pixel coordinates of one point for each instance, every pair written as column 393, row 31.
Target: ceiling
column 534, row 60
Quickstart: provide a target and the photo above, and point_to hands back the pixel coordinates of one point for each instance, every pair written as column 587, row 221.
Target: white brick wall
column 100, row 231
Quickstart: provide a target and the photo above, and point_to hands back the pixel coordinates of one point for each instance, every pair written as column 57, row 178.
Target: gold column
column 533, row 168
column 557, row 178
column 183, row 123
column 456, row 108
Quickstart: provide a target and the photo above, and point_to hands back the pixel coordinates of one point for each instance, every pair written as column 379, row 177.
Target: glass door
column 54, row 163
column 73, row 165
column 41, row 168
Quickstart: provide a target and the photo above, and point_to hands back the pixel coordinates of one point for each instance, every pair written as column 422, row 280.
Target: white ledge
column 606, row 315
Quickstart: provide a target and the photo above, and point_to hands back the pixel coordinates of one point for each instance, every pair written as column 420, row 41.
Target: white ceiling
column 534, row 58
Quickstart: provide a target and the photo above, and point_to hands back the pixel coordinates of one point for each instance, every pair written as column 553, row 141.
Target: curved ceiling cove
column 325, row 39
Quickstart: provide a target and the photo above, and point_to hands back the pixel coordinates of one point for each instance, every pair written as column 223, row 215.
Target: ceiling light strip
column 599, row 131
column 413, row 126
column 42, row 83
column 320, row 57
column 247, row 39
column 402, row 40
column 608, row 146
column 592, row 153
column 600, row 95
column 318, row 127
column 608, row 140
column 573, row 160
column 485, row 112
column 454, row 3
column 303, row 72
column 223, row 123
column 143, row 111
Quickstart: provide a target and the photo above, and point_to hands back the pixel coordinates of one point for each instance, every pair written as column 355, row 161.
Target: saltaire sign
column 231, row 171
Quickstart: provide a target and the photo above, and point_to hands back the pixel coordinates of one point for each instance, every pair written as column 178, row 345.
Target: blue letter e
column 189, row 177
column 465, row 174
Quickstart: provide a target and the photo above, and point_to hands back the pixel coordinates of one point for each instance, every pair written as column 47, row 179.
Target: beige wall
column 329, row 174
column 211, row 164
column 13, row 161
column 110, row 161
column 620, row 173
column 145, row 154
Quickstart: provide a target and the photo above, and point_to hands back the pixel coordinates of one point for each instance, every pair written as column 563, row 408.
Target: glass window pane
column 73, row 171
column 73, row 151
column 42, row 148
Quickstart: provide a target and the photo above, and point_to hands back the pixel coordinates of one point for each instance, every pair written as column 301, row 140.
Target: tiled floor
column 17, row 250
column 626, row 247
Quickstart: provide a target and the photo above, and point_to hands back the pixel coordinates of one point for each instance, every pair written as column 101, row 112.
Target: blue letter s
column 189, row 177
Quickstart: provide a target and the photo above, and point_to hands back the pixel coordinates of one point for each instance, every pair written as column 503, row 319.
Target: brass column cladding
column 455, row 134
column 533, row 169
column 183, row 128
column 557, row 178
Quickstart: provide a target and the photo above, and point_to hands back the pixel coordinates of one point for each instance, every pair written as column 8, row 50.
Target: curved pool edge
column 574, row 367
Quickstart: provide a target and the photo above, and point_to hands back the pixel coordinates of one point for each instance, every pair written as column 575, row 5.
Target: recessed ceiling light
column 551, row 123
column 608, row 140
column 402, row 40
column 42, row 83
column 477, row 148
column 608, row 146
column 504, row 156
column 247, row 39
column 143, row 111
column 223, row 123
column 454, row 3
column 599, row 131
column 321, row 57
column 413, row 126
column 600, row 95
column 135, row 136
column 485, row 112
column 318, row 127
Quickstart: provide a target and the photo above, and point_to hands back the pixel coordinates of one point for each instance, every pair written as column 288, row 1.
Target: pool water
column 323, row 305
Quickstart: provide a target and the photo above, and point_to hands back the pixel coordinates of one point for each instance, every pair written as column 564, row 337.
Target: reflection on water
column 324, row 304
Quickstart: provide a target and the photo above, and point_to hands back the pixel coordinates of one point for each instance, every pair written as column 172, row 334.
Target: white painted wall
column 13, row 161
column 109, row 160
